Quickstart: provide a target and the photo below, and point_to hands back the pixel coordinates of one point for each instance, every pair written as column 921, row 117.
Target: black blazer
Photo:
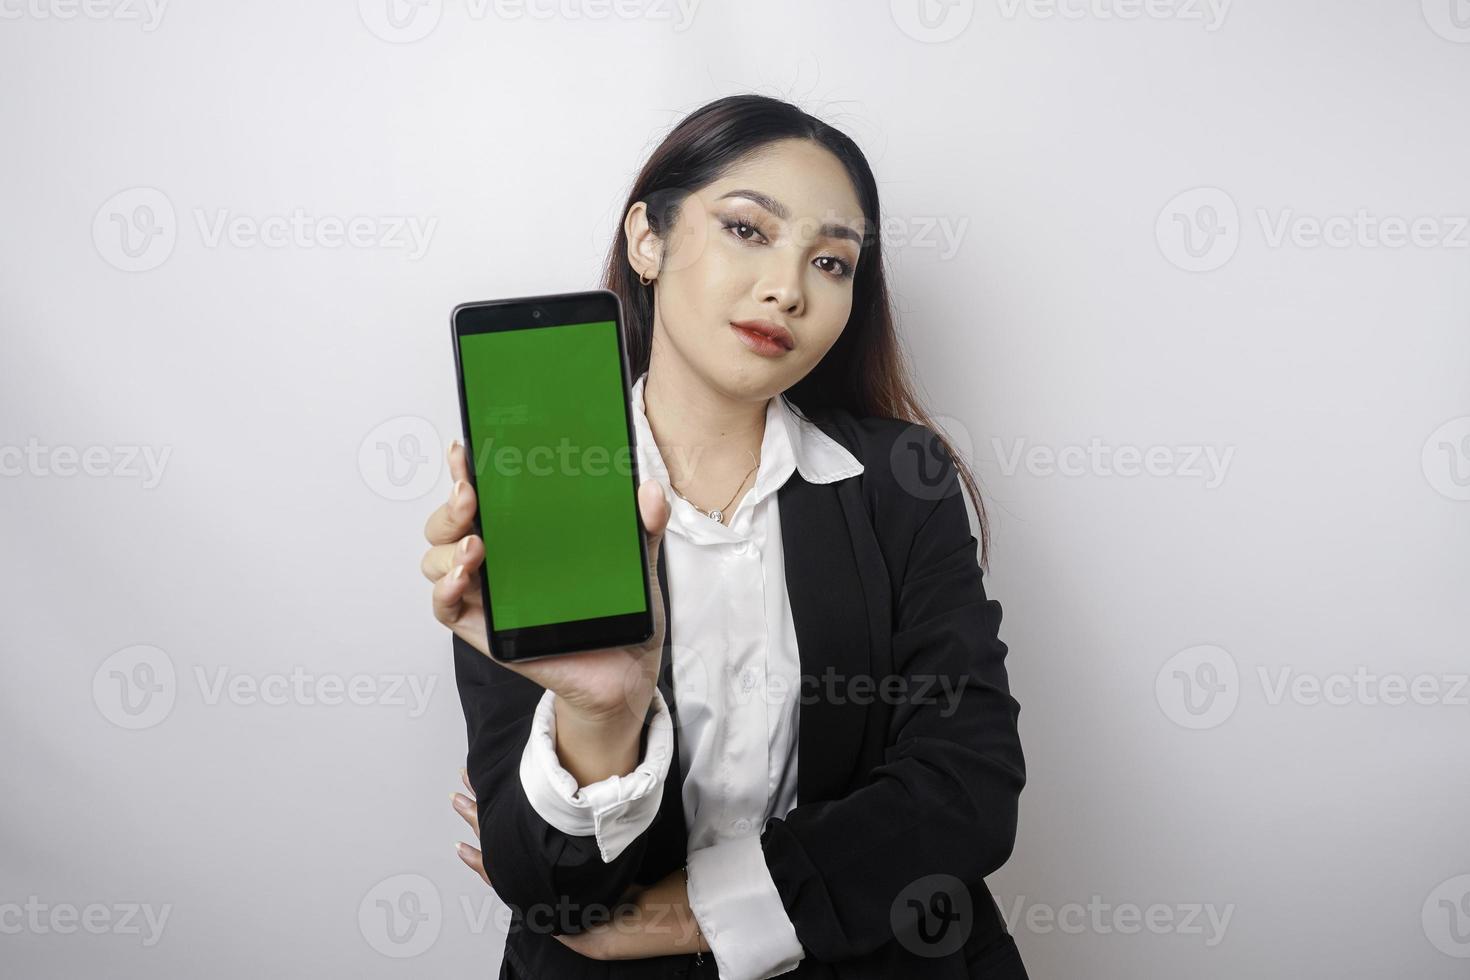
column 883, row 579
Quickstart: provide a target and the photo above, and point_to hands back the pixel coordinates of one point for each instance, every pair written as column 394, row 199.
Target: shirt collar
column 791, row 443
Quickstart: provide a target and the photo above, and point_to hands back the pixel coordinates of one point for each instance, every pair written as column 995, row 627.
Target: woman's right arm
column 558, row 881
column 604, row 702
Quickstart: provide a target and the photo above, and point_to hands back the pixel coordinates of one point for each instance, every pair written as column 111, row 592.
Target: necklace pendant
column 717, row 516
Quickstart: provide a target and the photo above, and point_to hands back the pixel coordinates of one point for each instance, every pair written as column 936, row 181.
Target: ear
column 645, row 249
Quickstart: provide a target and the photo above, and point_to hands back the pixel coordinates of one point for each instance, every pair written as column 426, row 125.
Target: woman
column 827, row 673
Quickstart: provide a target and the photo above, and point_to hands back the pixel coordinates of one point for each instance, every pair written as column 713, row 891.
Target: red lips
column 766, row 328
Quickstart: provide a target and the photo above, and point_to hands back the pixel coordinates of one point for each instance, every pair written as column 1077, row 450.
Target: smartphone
column 544, row 398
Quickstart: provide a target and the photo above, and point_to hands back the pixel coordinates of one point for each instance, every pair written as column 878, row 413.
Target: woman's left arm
column 944, row 801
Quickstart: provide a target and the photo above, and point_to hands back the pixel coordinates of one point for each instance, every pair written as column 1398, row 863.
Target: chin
column 751, row 382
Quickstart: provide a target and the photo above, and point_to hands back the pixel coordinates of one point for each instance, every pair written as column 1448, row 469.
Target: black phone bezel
column 555, row 309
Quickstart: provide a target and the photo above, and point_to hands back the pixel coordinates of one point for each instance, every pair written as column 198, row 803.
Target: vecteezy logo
column 932, row 21
column 135, row 687
column 1446, row 917
column 135, row 230
column 401, row 916
column 933, row 916
column 1199, row 230
column 401, row 459
column 687, row 672
column 1198, row 687
column 401, row 21
column 918, row 463
column 1446, row 458
column 1450, row 19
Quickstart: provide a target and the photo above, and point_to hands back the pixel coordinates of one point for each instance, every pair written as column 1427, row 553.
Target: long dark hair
column 865, row 371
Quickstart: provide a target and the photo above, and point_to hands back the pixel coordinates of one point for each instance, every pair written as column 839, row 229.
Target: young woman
column 812, row 765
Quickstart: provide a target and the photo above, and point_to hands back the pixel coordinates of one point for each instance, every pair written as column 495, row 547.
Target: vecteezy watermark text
column 694, row 674
column 97, row 918
column 148, row 13
column 407, row 21
column 1200, row 230
column 137, row 687
column 403, row 915
column 832, row 687
column 1201, row 686
column 1096, row 459
column 1210, row 13
column 121, row 462
column 136, row 230
column 1102, row 918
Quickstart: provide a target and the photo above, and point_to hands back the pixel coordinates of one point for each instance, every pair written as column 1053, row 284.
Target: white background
column 1077, row 297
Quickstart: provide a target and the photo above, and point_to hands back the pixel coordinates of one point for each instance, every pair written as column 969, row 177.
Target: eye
column 733, row 225
column 844, row 270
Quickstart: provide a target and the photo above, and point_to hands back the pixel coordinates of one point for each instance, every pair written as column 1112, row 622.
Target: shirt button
column 742, row 825
column 743, row 548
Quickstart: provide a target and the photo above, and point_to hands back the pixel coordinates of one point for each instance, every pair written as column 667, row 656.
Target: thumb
column 654, row 508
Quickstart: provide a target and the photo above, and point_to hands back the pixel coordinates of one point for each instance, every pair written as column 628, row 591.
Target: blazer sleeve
column 945, row 799
column 558, row 881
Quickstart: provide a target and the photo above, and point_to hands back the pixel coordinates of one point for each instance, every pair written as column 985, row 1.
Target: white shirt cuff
column 740, row 912
column 615, row 810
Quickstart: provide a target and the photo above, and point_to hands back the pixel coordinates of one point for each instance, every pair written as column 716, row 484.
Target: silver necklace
column 718, row 516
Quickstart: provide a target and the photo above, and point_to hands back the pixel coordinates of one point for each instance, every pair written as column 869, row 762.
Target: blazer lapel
column 828, row 607
column 839, row 606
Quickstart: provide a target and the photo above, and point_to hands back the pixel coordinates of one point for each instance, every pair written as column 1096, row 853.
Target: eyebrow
column 784, row 213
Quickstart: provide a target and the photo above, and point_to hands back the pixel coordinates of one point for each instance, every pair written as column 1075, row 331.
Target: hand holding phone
column 597, row 684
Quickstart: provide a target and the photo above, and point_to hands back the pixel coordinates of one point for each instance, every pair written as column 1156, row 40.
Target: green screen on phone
column 554, row 474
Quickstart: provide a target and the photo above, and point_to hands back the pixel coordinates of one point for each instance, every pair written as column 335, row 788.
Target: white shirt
column 737, row 684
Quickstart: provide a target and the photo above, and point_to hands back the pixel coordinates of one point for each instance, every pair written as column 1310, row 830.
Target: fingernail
column 457, row 574
column 457, row 485
column 464, row 546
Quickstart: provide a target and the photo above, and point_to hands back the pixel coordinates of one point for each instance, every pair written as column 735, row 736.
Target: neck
column 709, row 441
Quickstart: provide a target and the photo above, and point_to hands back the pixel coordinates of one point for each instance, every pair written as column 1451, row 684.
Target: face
column 776, row 239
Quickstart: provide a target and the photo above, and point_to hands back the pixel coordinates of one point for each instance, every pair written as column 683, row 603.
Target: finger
column 464, row 777
column 440, row 560
column 459, row 468
column 453, row 598
column 653, row 506
column 465, row 807
column 453, row 518
column 472, row 857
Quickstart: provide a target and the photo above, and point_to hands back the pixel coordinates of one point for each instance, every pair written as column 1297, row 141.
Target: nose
column 780, row 285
